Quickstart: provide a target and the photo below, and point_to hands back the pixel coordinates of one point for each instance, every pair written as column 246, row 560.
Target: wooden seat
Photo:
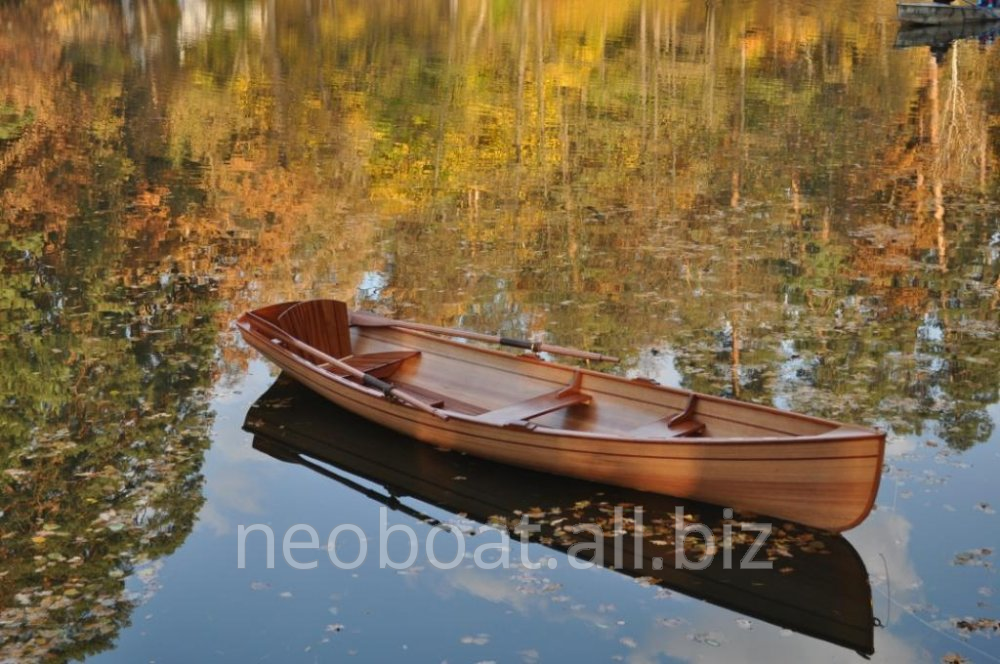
column 675, row 426
column 438, row 400
column 325, row 325
column 520, row 413
column 663, row 429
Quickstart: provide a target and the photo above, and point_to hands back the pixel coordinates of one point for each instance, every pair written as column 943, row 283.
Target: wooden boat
column 932, row 13
column 818, row 586
column 564, row 420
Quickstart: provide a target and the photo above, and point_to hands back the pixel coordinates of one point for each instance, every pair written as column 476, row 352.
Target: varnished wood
column 322, row 324
column 380, row 365
column 519, row 414
column 629, row 433
column 276, row 336
column 668, row 428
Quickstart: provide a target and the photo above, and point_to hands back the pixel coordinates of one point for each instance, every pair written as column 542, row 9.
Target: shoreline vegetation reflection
column 760, row 201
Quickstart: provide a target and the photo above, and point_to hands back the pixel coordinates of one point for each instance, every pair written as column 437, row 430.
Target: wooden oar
column 388, row 389
column 365, row 319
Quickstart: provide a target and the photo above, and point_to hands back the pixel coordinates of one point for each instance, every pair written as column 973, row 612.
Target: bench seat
column 662, row 428
column 674, row 426
column 520, row 413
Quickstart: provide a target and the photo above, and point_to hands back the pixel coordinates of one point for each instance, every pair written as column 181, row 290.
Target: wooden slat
column 440, row 400
column 663, row 429
column 323, row 324
column 538, row 405
column 380, row 365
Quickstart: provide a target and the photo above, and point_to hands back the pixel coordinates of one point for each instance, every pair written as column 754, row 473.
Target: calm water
column 761, row 200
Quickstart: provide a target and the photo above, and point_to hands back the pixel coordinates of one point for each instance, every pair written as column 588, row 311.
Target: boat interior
column 501, row 389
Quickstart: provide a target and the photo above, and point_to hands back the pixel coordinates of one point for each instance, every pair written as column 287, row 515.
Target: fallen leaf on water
column 709, row 639
column 973, row 558
column 985, row 508
column 530, row 656
column 969, row 625
column 477, row 640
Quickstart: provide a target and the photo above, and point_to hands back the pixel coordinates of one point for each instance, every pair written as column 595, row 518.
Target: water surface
column 764, row 201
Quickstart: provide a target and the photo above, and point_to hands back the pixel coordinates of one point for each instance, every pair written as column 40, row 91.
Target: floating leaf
column 973, row 558
column 476, row 640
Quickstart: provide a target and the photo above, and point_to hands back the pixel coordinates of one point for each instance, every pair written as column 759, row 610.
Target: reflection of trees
column 108, row 346
column 684, row 174
column 786, row 204
column 623, row 230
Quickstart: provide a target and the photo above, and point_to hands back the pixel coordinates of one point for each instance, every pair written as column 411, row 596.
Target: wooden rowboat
column 932, row 13
column 818, row 586
column 523, row 411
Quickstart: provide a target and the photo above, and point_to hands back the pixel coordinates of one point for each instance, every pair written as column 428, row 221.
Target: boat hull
column 826, row 481
column 920, row 13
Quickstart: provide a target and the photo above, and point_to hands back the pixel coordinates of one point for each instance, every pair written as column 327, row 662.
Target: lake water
column 775, row 202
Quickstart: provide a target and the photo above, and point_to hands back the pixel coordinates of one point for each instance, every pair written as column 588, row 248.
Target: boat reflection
column 939, row 38
column 817, row 586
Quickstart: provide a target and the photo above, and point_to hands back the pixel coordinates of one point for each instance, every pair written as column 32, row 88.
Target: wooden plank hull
column 929, row 13
column 820, row 590
column 752, row 458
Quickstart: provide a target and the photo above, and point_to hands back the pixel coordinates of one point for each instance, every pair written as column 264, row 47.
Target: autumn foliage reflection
column 767, row 194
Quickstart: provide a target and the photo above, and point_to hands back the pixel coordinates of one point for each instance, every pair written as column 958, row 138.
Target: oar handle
column 573, row 352
column 367, row 380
